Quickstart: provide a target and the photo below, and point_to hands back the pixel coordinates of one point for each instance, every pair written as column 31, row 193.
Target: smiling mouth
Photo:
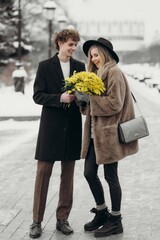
column 71, row 52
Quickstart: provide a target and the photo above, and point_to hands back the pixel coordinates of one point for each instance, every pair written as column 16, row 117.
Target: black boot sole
column 90, row 229
column 107, row 234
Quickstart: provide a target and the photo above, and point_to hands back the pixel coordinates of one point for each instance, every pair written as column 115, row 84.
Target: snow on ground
column 144, row 71
column 149, row 93
column 17, row 104
column 13, row 134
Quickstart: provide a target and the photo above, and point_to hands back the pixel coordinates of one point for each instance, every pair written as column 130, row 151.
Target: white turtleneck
column 65, row 68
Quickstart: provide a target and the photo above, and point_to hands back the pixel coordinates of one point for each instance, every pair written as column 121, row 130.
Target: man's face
column 67, row 48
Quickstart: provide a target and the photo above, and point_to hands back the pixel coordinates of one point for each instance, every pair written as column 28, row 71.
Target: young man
column 60, row 131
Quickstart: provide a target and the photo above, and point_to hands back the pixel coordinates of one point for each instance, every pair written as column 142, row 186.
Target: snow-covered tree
column 7, row 27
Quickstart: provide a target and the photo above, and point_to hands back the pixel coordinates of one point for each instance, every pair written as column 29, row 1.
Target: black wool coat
column 60, row 131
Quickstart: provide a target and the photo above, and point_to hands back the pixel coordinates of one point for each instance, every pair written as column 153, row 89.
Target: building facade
column 125, row 35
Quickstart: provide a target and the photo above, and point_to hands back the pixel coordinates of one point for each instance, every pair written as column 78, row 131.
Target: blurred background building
column 26, row 31
column 125, row 35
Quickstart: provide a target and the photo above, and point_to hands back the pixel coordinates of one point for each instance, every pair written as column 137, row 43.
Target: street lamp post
column 62, row 20
column 49, row 39
column 19, row 52
column 49, row 8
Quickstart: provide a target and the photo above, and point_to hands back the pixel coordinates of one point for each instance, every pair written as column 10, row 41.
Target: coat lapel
column 72, row 66
column 57, row 67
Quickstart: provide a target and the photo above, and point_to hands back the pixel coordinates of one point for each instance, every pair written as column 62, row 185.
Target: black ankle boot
column 99, row 219
column 111, row 227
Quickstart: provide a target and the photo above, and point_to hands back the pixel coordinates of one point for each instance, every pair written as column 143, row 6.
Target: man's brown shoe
column 35, row 230
column 64, row 227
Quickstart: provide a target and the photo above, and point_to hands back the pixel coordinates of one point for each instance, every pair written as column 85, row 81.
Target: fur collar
column 106, row 69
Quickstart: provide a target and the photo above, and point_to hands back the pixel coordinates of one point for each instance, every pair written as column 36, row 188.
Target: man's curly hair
column 64, row 35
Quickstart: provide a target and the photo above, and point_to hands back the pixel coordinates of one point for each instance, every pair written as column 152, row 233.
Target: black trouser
column 111, row 176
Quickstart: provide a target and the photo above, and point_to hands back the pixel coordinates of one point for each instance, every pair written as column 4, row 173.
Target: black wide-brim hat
column 103, row 43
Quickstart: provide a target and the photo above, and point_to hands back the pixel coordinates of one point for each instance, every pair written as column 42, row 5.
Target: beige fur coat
column 106, row 111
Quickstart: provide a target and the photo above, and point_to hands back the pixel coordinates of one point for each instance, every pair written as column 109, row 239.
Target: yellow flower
column 85, row 82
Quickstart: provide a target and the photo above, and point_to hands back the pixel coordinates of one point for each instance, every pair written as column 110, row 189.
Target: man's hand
column 67, row 98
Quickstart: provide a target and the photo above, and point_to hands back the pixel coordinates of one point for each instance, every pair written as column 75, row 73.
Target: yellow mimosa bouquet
column 84, row 82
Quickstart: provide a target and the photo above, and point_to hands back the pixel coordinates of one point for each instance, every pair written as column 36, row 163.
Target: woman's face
column 95, row 57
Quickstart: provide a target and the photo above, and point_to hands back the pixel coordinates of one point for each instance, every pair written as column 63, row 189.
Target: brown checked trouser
column 44, row 171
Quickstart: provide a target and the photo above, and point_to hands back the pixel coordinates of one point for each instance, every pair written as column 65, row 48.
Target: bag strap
column 133, row 97
column 136, row 103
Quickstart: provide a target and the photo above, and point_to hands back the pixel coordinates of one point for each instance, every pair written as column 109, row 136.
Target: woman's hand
column 82, row 97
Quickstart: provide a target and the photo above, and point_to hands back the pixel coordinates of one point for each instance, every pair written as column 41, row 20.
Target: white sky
column 143, row 10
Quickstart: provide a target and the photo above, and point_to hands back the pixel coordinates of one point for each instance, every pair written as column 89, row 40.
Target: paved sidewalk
column 140, row 180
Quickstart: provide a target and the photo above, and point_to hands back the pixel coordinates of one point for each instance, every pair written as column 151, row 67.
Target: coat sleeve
column 113, row 101
column 41, row 94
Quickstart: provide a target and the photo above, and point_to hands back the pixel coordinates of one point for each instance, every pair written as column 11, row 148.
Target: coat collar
column 56, row 68
column 55, row 60
column 106, row 69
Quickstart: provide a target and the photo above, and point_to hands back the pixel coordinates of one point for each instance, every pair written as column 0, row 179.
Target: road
column 139, row 177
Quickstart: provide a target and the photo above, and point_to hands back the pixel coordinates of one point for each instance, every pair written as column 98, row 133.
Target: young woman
column 100, row 140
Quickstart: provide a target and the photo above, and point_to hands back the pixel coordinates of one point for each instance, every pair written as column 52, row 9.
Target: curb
column 20, row 118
